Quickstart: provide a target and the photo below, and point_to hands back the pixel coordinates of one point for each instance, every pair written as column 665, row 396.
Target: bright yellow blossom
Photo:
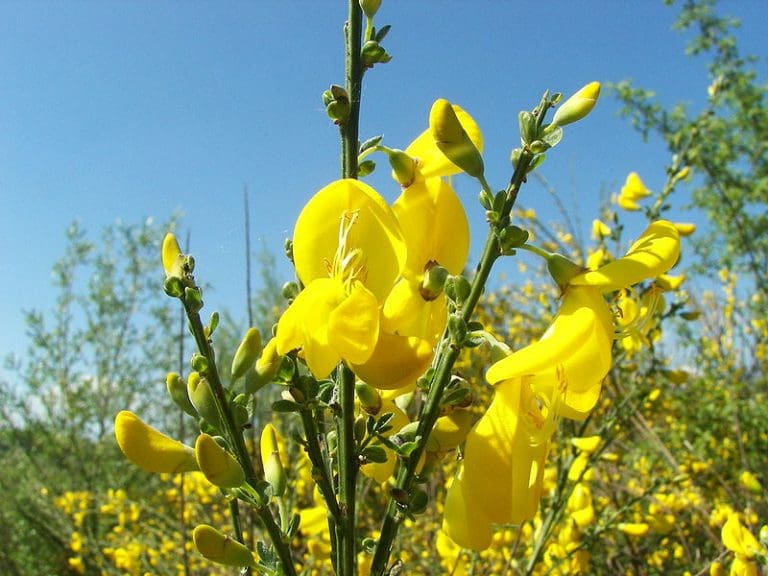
column 149, row 448
column 348, row 252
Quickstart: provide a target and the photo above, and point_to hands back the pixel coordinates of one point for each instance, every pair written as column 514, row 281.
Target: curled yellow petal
column 219, row 466
column 655, row 252
column 149, row 448
column 738, row 539
column 353, row 325
column 636, row 529
column 274, row 471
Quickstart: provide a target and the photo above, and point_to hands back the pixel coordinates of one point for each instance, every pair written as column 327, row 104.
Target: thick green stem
column 348, row 467
column 353, row 67
column 447, row 356
column 235, row 438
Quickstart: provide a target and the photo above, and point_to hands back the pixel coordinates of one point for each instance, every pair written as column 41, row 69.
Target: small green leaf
column 285, row 406
column 370, row 143
column 375, row 454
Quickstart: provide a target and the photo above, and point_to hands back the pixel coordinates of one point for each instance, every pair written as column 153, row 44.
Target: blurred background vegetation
column 682, row 426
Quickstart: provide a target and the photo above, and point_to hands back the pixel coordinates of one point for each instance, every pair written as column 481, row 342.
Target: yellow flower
column 220, row 548
column 219, row 466
column 149, row 448
column 632, row 191
column 738, row 539
column 452, row 140
column 749, row 481
column 173, row 259
column 348, row 252
column 501, row 476
column 600, row 229
column 636, row 529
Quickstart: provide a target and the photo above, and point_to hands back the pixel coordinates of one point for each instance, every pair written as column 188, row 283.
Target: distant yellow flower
column 636, row 529
column 749, row 481
column 738, row 539
column 600, row 230
column 632, row 191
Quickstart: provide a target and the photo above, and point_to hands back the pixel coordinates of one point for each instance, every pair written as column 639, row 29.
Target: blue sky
column 133, row 109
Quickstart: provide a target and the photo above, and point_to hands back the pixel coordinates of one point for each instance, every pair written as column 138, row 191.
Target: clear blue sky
column 132, row 109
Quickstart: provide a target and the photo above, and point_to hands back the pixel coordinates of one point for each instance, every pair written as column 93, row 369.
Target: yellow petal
column 220, row 548
column 578, row 340
column 172, row 257
column 452, row 140
column 655, row 252
column 396, row 362
column 353, row 325
column 149, row 448
column 685, row 228
column 305, row 325
column 466, row 525
column 406, row 313
column 434, row 226
column 375, row 233
column 633, row 188
column 738, row 539
column 578, row 105
column 432, row 162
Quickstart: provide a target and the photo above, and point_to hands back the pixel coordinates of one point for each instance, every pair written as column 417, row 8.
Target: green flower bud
column 266, row 368
column 247, row 353
column 370, row 7
column 578, row 105
column 373, row 53
column 193, row 298
column 562, row 270
column 433, row 282
column 528, row 128
column 177, row 389
column 369, row 397
column 222, row 549
column 403, row 167
column 202, row 398
column 457, row 329
column 219, row 466
column 452, row 140
column 274, row 472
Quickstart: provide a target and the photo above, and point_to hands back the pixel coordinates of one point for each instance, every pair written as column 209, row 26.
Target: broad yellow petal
column 353, row 326
column 149, row 448
column 375, row 234
column 434, row 226
column 467, row 525
column 406, row 313
column 396, row 362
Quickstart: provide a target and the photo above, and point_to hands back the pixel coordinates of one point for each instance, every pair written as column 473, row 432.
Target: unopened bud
column 403, row 167
column 562, row 269
column 266, row 368
column 452, row 140
column 369, row 397
column 219, row 466
column 578, row 105
column 149, row 448
column 370, row 7
column 177, row 389
column 202, row 398
column 173, row 259
column 247, row 353
column 274, row 472
column 220, row 548
column 433, row 282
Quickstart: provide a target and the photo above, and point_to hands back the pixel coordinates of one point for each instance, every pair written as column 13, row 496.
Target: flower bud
column 433, row 282
column 149, row 448
column 219, row 466
column 173, row 259
column 452, row 140
column 370, row 7
column 562, row 269
column 202, row 398
column 274, row 472
column 450, row 431
column 369, row 397
column 266, row 368
column 578, row 105
column 403, row 167
column 219, row 548
column 247, row 353
column 177, row 389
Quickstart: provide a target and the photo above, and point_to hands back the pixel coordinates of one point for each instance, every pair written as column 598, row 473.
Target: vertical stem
column 182, row 434
column 347, row 457
column 353, row 69
column 348, row 467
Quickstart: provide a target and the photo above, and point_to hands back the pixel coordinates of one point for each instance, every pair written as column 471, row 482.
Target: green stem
column 348, row 467
column 353, row 84
column 346, row 539
column 447, row 356
column 235, row 438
